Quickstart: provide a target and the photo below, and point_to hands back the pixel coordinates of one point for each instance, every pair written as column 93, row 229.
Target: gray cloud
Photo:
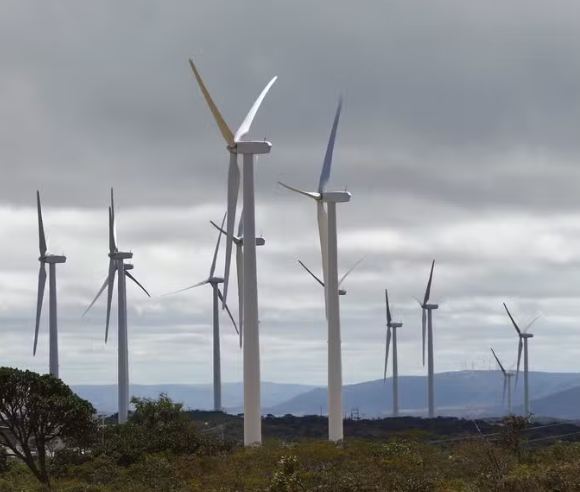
column 458, row 141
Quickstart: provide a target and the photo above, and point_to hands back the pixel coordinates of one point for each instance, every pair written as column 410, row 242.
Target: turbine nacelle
column 526, row 335
column 52, row 259
column 251, row 147
column 215, row 280
column 335, row 196
column 395, row 325
column 341, row 292
column 260, row 241
column 121, row 255
column 129, row 266
column 430, row 306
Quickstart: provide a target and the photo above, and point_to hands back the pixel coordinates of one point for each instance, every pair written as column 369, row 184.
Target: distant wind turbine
column 341, row 292
column 392, row 334
column 217, row 295
column 507, row 384
column 523, row 344
column 52, row 260
column 117, row 264
column 328, row 246
column 427, row 333
column 239, row 242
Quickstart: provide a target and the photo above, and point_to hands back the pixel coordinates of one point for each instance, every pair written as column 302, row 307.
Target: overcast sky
column 459, row 140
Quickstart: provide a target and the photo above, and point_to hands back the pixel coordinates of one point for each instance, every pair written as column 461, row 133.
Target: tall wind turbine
column 523, row 344
column 427, row 333
column 328, row 245
column 251, row 346
column 217, row 295
column 392, row 334
column 117, row 264
column 507, row 384
column 341, row 292
column 52, row 260
column 239, row 242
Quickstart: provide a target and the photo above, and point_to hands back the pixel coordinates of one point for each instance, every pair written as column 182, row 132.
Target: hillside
column 195, row 396
column 461, row 393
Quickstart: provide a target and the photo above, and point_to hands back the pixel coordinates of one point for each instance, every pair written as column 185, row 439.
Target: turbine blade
column 128, row 274
column 247, row 123
column 240, row 275
column 41, row 236
column 224, row 129
column 325, row 173
column 40, row 297
column 220, row 295
column 498, row 362
column 532, row 322
column 112, row 232
column 233, row 189
column 388, row 345
column 110, row 286
column 315, row 196
column 351, row 269
column 389, row 317
column 313, row 276
column 520, row 346
column 424, row 332
column 322, row 219
column 428, row 289
column 512, row 319
column 96, row 297
column 241, row 224
column 217, row 247
column 206, row 281
column 112, row 202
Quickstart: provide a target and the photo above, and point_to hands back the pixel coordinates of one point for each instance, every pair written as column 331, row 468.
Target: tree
column 38, row 410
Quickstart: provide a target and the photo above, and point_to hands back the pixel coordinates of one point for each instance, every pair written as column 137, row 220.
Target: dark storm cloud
column 445, row 101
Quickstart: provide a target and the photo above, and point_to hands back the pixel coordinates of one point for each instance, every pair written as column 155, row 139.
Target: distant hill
column 194, row 396
column 457, row 394
column 461, row 393
column 560, row 405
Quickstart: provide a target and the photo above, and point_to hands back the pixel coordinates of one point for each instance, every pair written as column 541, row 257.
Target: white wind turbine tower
column 328, row 246
column 239, row 242
column 523, row 344
column 427, row 333
column 117, row 264
column 235, row 146
column 341, row 292
column 392, row 334
column 507, row 384
column 52, row 260
column 214, row 282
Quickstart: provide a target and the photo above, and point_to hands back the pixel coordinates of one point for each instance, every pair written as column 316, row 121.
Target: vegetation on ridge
column 164, row 448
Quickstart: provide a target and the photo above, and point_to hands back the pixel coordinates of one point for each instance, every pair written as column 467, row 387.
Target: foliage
column 156, row 426
column 36, row 412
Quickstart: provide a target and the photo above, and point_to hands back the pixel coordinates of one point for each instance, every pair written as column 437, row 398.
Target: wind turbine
column 341, row 292
column 117, row 264
column 235, row 146
column 427, row 333
column 507, row 384
column 214, row 282
column 328, row 246
column 523, row 343
column 239, row 242
column 52, row 260
column 392, row 334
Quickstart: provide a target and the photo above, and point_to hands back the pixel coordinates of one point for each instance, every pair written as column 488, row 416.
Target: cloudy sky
column 459, row 140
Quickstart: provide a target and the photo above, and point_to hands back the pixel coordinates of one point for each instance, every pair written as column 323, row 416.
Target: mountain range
column 459, row 394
